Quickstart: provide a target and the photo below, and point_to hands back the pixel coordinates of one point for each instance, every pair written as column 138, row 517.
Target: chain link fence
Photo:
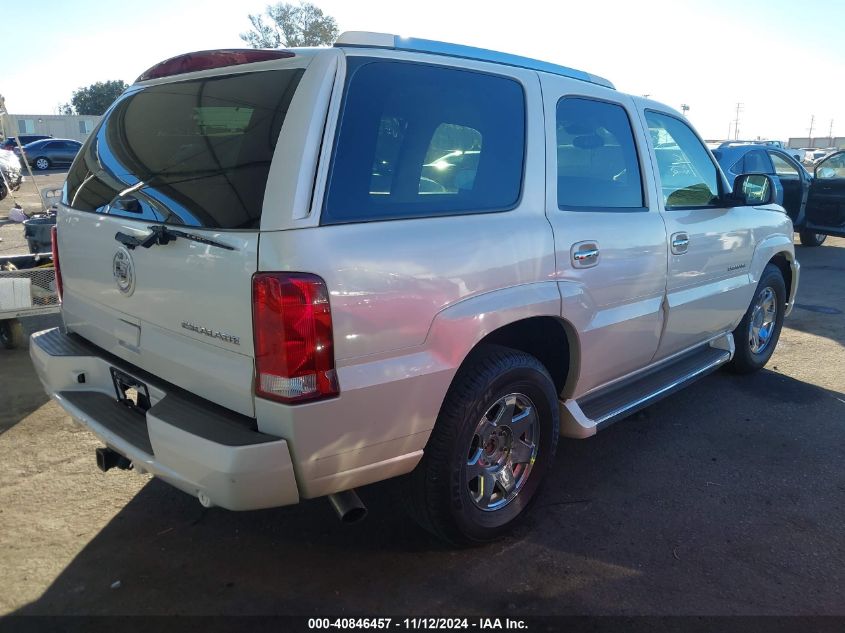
column 27, row 292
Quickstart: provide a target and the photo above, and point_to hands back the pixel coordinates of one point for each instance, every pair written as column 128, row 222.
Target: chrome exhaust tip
column 348, row 506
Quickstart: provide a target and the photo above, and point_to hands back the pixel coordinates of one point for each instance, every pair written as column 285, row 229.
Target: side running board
column 583, row 417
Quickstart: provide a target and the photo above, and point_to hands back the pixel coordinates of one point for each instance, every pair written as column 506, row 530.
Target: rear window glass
column 195, row 153
column 597, row 165
column 418, row 140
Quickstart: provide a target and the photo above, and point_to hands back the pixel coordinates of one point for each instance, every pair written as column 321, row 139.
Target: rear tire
column 757, row 334
column 811, row 238
column 491, row 448
column 11, row 334
column 41, row 163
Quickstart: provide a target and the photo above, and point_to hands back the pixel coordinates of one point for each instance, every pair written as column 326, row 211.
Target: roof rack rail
column 366, row 39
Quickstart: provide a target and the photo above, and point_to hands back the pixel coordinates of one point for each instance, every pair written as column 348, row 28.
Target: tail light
column 54, row 246
column 294, row 344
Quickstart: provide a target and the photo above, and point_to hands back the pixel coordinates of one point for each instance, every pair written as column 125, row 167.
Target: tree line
column 283, row 24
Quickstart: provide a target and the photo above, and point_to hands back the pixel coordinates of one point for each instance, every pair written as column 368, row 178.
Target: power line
column 736, row 121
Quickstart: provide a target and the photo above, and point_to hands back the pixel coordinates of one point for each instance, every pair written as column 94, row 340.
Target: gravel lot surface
column 727, row 498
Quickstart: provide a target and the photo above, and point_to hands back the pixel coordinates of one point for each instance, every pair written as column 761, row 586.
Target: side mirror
column 756, row 190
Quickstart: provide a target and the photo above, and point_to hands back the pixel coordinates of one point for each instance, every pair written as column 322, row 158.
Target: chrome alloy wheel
column 502, row 452
column 42, row 163
column 763, row 317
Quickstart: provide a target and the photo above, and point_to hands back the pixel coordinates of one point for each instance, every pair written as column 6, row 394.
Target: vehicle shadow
column 726, row 498
column 820, row 304
column 21, row 392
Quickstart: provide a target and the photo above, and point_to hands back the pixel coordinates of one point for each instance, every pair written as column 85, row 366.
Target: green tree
column 291, row 25
column 96, row 98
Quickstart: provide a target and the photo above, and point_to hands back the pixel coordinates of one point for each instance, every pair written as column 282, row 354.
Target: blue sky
column 784, row 60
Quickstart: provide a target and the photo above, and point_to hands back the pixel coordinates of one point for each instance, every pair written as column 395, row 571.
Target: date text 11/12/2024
column 412, row 624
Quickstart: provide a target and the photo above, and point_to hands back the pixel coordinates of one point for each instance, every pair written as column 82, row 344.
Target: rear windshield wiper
column 162, row 235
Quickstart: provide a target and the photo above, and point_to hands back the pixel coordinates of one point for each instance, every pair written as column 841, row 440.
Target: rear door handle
column 581, row 256
column 680, row 243
column 584, row 254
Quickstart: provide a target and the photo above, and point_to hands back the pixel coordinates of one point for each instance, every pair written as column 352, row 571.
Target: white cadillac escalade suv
column 287, row 274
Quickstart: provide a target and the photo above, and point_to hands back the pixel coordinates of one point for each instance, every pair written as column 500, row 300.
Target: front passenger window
column 783, row 168
column 688, row 176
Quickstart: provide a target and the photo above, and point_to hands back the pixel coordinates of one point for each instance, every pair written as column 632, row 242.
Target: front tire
column 811, row 238
column 41, row 164
column 757, row 334
column 491, row 448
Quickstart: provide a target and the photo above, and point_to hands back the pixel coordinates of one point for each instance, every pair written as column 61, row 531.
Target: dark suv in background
column 814, row 201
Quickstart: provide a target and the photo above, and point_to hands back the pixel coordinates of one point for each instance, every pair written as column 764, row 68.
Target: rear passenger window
column 783, row 167
column 597, row 166
column 754, row 162
column 417, row 140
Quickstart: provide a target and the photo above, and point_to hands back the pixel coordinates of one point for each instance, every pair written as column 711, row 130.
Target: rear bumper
column 198, row 447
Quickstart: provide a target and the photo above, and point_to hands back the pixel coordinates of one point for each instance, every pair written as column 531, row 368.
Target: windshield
column 194, row 153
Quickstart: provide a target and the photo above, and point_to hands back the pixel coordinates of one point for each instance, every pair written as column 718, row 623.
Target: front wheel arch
column 746, row 359
column 785, row 266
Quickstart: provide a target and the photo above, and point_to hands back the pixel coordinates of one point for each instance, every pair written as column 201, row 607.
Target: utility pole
column 684, row 108
column 812, row 120
column 830, row 132
column 736, row 121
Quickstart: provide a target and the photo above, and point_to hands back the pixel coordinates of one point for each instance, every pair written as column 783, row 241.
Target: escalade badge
column 123, row 271
column 223, row 336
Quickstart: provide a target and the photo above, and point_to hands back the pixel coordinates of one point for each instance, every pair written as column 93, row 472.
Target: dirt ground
column 727, row 498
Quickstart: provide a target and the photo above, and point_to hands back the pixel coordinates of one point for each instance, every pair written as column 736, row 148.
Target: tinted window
column 753, row 162
column 688, row 176
column 417, row 140
column 597, row 164
column 757, row 162
column 193, row 152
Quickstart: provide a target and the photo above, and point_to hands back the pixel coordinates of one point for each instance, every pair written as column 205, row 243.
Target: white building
column 817, row 141
column 73, row 126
